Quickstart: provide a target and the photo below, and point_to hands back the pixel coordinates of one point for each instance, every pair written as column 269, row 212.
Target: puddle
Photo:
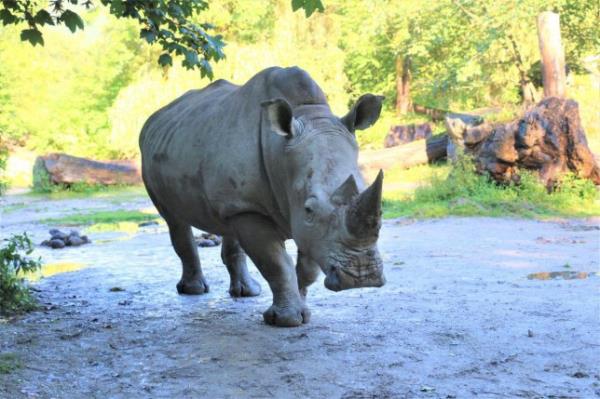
column 50, row 269
column 565, row 275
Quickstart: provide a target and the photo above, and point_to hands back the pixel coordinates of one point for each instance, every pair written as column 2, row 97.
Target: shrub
column 15, row 296
column 3, row 160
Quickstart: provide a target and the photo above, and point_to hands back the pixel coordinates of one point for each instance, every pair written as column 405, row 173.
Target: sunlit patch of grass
column 460, row 191
column 13, row 207
column 103, row 217
column 50, row 269
column 588, row 96
column 94, row 191
column 124, row 227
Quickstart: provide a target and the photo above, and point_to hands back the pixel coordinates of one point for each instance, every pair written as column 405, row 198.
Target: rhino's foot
column 244, row 287
column 193, row 287
column 288, row 316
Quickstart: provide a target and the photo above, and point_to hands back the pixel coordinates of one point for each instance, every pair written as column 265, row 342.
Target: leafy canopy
column 166, row 22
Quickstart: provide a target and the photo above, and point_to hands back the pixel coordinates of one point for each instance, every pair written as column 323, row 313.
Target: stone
column 75, row 241
column 56, row 243
column 55, row 233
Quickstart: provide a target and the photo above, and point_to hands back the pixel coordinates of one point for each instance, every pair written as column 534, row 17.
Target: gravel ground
column 463, row 314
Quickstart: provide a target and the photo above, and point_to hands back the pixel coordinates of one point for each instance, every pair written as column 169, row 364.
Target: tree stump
column 548, row 139
column 67, row 169
column 402, row 134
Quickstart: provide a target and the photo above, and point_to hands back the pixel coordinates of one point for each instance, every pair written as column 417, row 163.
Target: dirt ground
column 461, row 316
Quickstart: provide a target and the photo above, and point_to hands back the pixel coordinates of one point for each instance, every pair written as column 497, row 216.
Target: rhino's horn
column 363, row 217
column 345, row 192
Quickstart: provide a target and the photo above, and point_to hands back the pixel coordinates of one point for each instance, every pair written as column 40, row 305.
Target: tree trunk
column 553, row 55
column 67, row 169
column 403, row 101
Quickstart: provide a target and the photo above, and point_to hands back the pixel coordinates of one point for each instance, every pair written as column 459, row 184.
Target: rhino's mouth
column 357, row 272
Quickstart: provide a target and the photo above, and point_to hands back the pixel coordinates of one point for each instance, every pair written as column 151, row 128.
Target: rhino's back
column 201, row 157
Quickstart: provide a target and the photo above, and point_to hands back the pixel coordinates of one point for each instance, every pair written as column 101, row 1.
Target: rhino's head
column 333, row 223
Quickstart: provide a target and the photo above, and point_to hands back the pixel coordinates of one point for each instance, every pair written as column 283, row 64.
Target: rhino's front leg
column 265, row 246
column 307, row 272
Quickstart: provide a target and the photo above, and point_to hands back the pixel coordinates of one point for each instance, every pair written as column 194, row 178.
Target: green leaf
column 72, row 20
column 33, row 36
column 165, row 59
column 310, row 6
column 43, row 17
column 148, row 35
column 191, row 59
column 7, row 18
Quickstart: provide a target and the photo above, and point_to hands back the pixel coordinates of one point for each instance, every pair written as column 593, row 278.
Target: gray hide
column 259, row 164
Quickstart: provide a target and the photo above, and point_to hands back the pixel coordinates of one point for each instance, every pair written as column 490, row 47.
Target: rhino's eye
column 309, row 210
column 309, row 214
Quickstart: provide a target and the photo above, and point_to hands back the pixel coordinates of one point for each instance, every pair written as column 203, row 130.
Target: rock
column 56, row 243
column 208, row 240
column 57, row 234
column 75, row 241
column 149, row 223
column 60, row 239
column 203, row 242
column 580, row 374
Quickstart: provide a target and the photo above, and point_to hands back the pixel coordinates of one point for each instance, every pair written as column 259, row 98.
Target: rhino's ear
column 364, row 113
column 280, row 116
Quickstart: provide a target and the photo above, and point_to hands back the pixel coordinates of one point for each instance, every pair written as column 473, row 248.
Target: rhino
column 259, row 164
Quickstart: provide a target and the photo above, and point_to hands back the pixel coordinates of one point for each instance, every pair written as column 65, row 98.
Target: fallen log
column 403, row 156
column 67, row 169
column 548, row 140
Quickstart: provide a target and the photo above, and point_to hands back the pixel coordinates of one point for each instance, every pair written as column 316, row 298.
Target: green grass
column 587, row 95
column 9, row 362
column 86, row 191
column 103, row 217
column 459, row 191
column 13, row 207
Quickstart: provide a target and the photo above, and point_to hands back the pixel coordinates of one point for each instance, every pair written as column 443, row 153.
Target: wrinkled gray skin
column 259, row 164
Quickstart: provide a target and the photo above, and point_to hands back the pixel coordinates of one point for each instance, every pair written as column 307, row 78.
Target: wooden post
column 553, row 55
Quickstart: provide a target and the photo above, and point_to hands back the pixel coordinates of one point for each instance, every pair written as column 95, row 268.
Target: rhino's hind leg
column 260, row 239
column 192, row 280
column 234, row 258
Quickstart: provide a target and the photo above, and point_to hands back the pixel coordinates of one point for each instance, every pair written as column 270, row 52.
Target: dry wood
column 67, row 169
